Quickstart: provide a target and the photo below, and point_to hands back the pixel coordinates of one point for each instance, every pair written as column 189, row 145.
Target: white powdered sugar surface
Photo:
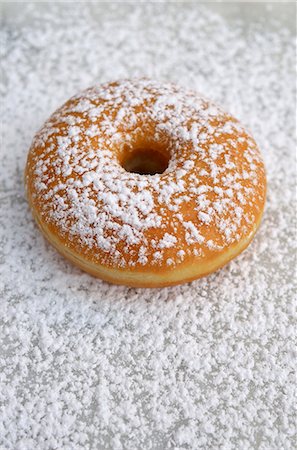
column 206, row 365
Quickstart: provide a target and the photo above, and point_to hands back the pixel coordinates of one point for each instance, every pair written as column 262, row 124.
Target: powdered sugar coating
column 215, row 176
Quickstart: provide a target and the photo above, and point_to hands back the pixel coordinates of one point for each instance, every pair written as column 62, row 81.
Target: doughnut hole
column 145, row 160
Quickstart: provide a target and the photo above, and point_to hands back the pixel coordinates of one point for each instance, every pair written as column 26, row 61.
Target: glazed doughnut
column 145, row 184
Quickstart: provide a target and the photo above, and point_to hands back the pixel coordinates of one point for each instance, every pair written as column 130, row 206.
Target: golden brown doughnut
column 145, row 184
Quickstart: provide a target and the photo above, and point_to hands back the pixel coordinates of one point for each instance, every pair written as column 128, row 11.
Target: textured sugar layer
column 207, row 365
column 214, row 179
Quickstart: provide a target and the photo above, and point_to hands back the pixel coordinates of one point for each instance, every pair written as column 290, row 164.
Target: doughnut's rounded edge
column 146, row 279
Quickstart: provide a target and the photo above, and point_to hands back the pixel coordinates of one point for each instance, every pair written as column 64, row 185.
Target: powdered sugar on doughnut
column 93, row 198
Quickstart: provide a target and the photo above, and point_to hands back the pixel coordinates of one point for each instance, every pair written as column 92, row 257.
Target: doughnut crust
column 94, row 189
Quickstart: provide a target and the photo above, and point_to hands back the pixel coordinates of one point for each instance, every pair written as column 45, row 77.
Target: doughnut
column 145, row 184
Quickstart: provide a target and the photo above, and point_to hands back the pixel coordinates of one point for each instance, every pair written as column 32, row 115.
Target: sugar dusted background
column 208, row 365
